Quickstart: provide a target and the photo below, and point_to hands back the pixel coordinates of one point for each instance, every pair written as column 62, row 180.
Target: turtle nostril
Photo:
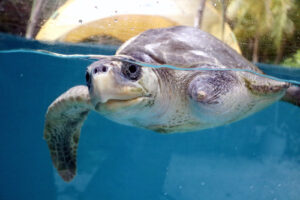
column 99, row 69
column 95, row 70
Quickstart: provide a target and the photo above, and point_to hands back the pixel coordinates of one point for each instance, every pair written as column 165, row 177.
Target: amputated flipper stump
column 64, row 119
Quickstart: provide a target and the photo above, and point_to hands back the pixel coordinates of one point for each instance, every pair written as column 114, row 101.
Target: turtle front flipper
column 64, row 119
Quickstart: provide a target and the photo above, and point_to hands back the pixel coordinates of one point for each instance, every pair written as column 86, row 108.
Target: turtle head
column 120, row 89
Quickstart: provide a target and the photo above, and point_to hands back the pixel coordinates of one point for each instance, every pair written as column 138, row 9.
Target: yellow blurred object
column 120, row 27
column 81, row 21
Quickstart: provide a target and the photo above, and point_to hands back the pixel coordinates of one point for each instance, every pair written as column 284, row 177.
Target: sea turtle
column 161, row 99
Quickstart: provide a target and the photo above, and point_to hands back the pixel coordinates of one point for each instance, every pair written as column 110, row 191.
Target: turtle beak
column 106, row 86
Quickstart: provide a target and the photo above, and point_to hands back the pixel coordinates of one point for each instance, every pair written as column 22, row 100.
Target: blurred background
column 263, row 31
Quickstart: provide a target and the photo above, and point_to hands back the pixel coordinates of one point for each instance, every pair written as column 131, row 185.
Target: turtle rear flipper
column 292, row 95
column 263, row 86
column 64, row 119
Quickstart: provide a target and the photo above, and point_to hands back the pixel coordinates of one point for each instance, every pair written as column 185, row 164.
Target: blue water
column 256, row 158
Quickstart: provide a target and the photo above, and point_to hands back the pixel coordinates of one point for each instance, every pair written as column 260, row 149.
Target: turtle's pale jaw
column 116, row 105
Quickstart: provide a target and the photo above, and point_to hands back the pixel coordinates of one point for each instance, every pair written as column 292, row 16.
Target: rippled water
column 256, row 158
column 289, row 72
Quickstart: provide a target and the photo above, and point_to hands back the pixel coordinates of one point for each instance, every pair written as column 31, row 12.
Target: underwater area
column 255, row 158
column 45, row 48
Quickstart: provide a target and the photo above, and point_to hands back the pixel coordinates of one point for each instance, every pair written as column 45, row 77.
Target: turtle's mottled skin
column 160, row 99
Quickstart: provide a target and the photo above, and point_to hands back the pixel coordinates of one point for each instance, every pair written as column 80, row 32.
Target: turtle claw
column 67, row 174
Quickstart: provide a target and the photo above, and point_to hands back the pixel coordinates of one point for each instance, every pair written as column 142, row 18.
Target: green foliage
column 282, row 24
column 250, row 17
column 294, row 61
column 272, row 23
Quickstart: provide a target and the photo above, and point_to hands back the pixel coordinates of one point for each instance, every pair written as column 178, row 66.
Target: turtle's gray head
column 120, row 89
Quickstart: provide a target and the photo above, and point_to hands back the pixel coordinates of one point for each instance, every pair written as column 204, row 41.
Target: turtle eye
column 131, row 71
